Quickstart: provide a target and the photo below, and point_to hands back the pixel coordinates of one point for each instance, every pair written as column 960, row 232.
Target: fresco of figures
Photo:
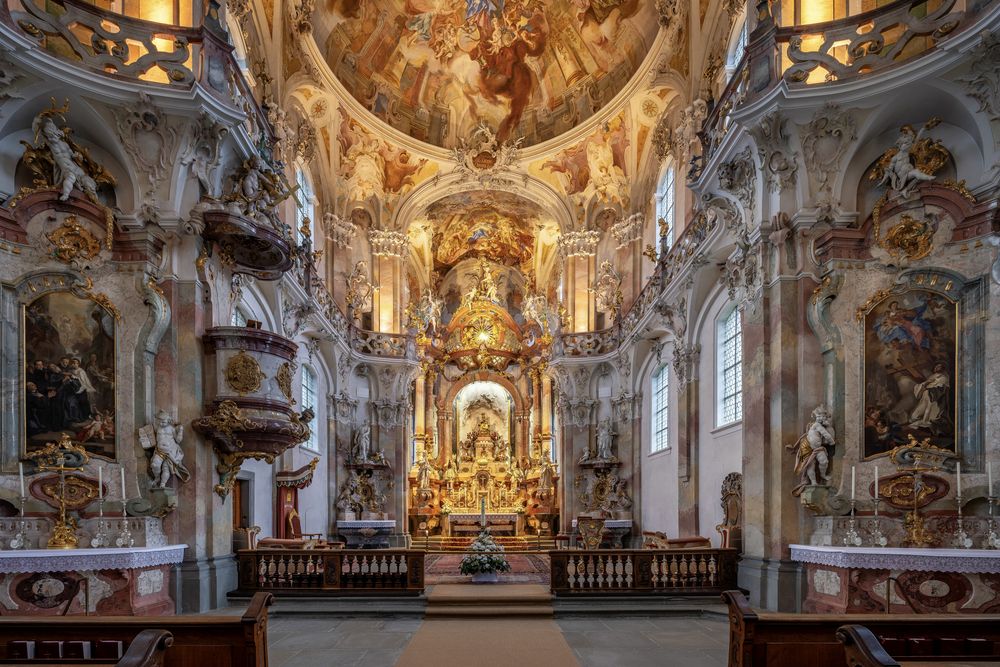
column 435, row 69
column 910, row 362
column 69, row 378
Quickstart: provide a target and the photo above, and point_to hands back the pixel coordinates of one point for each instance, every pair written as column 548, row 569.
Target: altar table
column 898, row 579
column 56, row 582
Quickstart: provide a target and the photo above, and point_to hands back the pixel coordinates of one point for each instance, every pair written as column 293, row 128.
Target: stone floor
column 622, row 641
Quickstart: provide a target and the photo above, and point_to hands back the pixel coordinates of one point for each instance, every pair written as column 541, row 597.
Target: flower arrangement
column 485, row 556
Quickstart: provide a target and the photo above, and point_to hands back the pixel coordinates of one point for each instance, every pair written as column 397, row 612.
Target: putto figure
column 812, row 460
column 164, row 437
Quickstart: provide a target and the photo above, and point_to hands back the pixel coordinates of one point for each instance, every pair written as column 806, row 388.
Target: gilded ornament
column 911, row 238
column 650, row 253
column 73, row 241
column 284, row 379
column 860, row 313
column 243, row 374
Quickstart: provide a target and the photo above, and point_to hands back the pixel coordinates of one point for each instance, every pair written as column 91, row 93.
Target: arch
column 483, row 376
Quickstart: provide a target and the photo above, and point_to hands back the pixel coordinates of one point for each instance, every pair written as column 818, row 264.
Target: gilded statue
column 812, row 458
column 163, row 438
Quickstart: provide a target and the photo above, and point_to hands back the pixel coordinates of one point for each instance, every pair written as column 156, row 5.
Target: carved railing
column 806, row 55
column 380, row 344
column 331, row 572
column 643, row 571
column 130, row 48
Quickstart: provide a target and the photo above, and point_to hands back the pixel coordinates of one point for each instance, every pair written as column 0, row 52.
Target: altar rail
column 308, row 572
column 643, row 571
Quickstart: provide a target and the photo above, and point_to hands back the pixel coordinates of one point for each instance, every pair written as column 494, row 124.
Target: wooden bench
column 864, row 649
column 146, row 650
column 198, row 641
column 770, row 639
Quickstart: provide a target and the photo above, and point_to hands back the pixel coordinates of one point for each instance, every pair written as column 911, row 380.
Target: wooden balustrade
column 331, row 572
column 643, row 571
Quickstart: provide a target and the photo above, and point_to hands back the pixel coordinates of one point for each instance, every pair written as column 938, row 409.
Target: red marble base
column 139, row 592
column 847, row 590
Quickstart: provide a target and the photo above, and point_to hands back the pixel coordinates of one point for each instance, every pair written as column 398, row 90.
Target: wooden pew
column 146, row 650
column 769, row 639
column 198, row 641
column 864, row 649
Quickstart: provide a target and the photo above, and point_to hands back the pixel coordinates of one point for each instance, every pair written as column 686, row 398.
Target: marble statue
column 359, row 292
column 423, row 473
column 66, row 157
column 164, row 437
column 901, row 171
column 605, row 442
column 363, row 444
column 812, row 460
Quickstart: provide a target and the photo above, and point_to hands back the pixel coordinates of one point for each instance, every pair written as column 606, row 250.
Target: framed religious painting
column 68, row 379
column 910, row 371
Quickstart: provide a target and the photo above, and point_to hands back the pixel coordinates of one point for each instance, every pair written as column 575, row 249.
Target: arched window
column 729, row 375
column 309, row 401
column 737, row 47
column 665, row 206
column 305, row 205
column 240, row 316
column 661, row 410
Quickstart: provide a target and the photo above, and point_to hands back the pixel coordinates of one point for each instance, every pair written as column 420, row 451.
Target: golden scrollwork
column 900, row 491
column 56, row 455
column 77, row 493
column 911, row 238
column 917, row 534
column 243, row 374
column 228, row 418
column 284, row 379
column 73, row 241
column 860, row 313
column 921, row 455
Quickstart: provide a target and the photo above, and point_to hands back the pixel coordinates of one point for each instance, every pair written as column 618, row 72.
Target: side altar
column 516, row 497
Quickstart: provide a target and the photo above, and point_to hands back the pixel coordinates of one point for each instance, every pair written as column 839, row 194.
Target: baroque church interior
column 501, row 332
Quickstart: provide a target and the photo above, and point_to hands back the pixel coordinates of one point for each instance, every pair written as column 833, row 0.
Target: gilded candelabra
column 60, row 457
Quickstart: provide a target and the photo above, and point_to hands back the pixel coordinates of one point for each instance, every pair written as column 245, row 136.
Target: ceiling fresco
column 497, row 225
column 435, row 69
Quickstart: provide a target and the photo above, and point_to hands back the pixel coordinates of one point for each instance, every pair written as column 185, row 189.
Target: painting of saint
column 910, row 361
column 69, row 378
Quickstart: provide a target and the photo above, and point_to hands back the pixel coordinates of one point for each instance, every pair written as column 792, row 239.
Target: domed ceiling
column 435, row 69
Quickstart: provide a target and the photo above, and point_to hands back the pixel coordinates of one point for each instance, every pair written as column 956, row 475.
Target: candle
column 876, row 481
column 852, row 482
column 123, row 484
column 958, row 477
column 989, row 478
column 20, row 476
column 100, row 483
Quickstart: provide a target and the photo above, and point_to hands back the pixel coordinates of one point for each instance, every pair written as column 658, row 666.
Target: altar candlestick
column 100, row 483
column 852, row 482
column 20, row 476
column 958, row 477
column 482, row 513
column 876, row 481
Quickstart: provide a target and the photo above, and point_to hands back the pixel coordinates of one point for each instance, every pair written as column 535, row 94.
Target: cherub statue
column 812, row 460
column 164, row 437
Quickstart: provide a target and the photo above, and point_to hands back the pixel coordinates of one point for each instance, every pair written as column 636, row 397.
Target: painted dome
column 436, row 69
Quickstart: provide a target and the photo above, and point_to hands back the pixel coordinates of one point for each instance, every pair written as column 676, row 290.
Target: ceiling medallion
column 243, row 374
column 73, row 241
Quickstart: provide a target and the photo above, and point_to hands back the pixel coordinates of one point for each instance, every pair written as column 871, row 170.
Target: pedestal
column 125, row 582
column 899, row 580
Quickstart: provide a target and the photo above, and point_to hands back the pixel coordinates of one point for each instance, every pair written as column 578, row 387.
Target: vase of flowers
column 485, row 560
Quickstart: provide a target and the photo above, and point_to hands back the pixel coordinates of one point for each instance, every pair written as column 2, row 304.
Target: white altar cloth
column 366, row 523
column 967, row 561
column 613, row 523
column 469, row 516
column 72, row 560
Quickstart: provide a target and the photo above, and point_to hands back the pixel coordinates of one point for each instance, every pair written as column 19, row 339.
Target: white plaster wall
column 659, row 470
column 263, row 495
column 720, row 449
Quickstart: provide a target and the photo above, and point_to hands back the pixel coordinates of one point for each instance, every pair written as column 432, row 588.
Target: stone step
column 494, row 611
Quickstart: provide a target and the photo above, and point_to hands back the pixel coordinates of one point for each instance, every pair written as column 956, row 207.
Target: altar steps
column 489, row 601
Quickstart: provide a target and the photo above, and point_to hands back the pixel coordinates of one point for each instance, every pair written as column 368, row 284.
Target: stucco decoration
column 983, row 81
column 825, row 140
column 778, row 161
column 148, row 137
column 739, row 178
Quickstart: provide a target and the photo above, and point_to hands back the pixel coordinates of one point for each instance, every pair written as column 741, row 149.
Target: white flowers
column 485, row 555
